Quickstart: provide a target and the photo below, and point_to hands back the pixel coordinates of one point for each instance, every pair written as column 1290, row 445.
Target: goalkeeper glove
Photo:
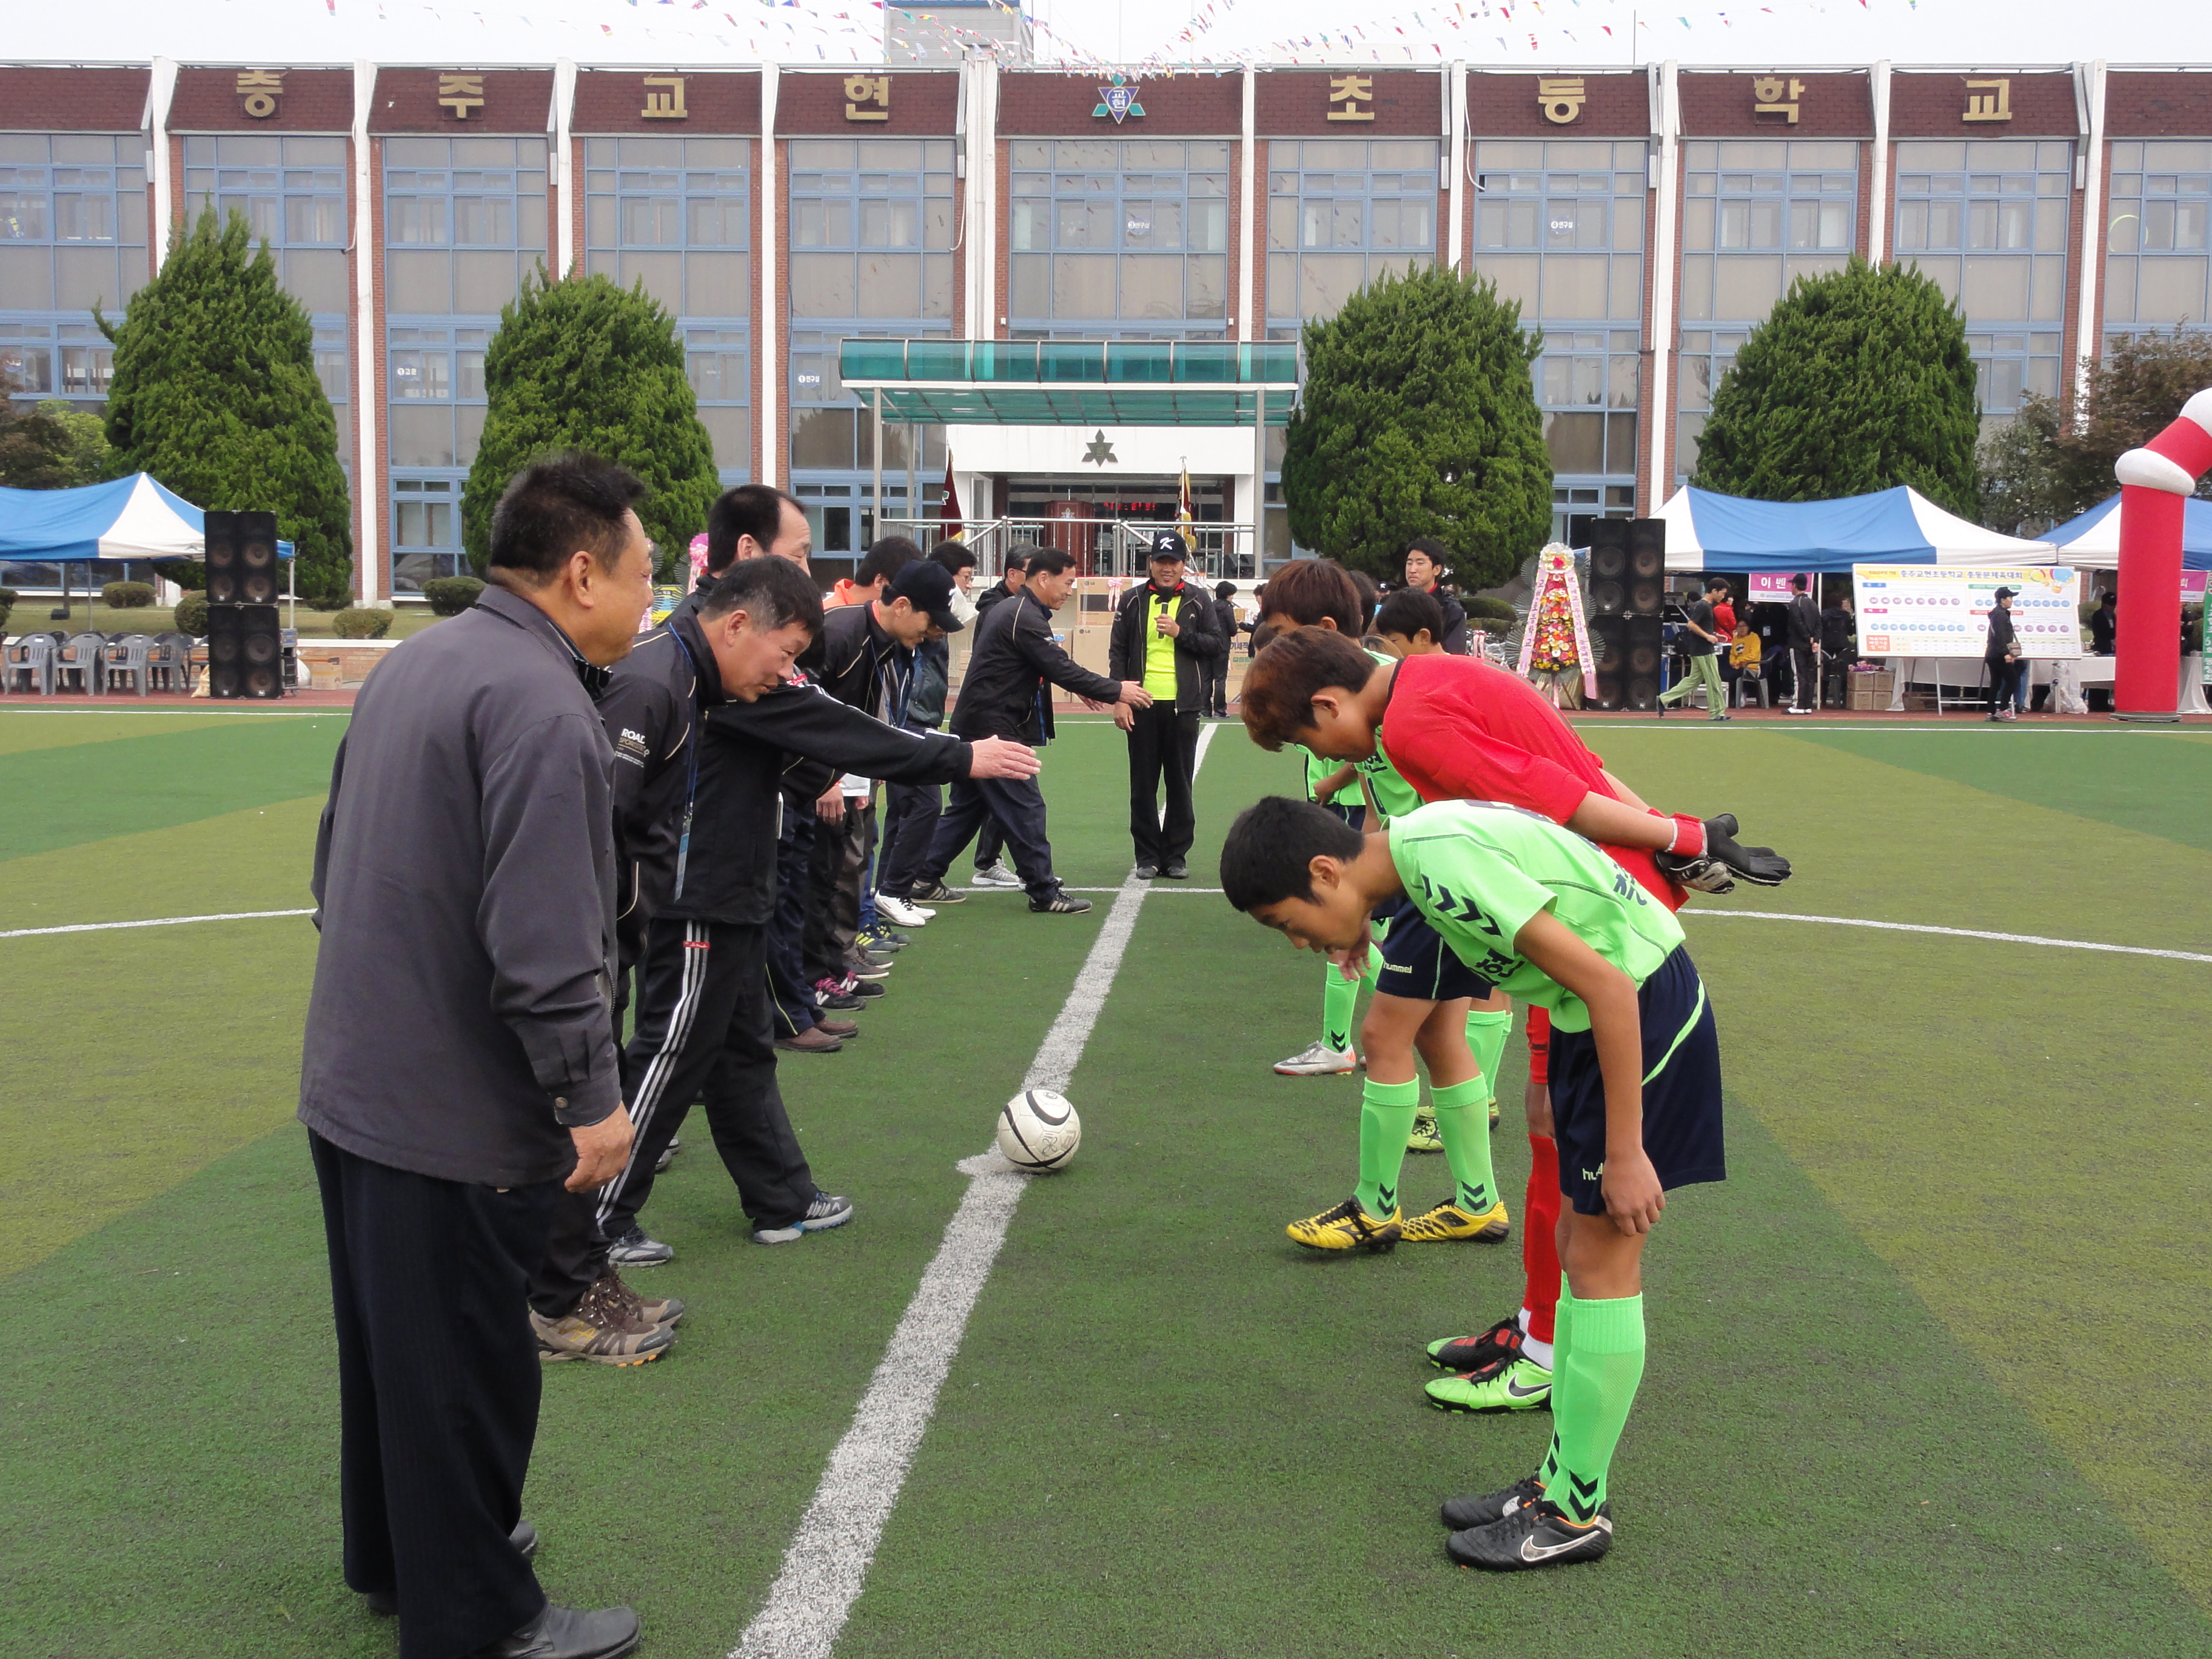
column 1706, row 855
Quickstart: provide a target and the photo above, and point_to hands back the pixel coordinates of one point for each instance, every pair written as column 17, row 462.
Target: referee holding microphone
column 459, row 1063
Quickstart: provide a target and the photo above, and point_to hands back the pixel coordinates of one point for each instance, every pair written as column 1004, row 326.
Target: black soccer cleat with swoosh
column 1537, row 1534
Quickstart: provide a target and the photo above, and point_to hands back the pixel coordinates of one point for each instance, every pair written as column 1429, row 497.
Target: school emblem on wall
column 1119, row 100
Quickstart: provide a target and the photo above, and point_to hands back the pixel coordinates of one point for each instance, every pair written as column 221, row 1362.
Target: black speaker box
column 246, row 652
column 242, row 558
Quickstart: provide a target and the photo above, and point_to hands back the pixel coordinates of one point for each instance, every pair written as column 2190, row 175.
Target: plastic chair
column 126, row 657
column 30, row 658
column 170, row 662
column 80, row 656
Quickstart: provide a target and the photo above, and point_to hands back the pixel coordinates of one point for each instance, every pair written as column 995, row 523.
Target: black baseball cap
column 928, row 586
column 2005, row 594
column 1169, row 544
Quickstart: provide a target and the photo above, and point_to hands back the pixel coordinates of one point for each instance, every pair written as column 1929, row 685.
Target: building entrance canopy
column 938, row 381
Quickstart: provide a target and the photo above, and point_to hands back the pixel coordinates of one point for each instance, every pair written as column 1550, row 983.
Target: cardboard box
column 1875, row 690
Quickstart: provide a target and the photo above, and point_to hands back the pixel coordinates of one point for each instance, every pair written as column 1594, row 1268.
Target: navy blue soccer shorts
column 1682, row 1090
column 1416, row 962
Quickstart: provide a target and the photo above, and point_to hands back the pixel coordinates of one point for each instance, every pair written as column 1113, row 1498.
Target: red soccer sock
column 1539, row 1244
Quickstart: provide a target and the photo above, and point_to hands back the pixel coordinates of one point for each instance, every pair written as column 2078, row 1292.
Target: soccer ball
column 1039, row 1130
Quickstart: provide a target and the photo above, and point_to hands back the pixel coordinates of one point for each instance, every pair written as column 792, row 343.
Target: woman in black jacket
column 2002, row 657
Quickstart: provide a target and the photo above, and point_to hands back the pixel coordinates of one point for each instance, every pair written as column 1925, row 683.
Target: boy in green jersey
column 1635, row 1085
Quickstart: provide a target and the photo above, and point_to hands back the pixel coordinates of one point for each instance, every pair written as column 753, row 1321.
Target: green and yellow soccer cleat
column 1425, row 1138
column 1348, row 1227
column 1511, row 1385
column 1448, row 1224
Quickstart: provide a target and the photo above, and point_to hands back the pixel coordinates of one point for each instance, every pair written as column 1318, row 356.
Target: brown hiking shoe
column 810, row 1042
column 664, row 1310
column 603, row 1330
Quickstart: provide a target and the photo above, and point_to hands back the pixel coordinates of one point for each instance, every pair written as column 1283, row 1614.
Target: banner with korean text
column 1927, row 611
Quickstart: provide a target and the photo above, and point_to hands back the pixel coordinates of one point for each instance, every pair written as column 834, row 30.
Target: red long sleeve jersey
column 1457, row 729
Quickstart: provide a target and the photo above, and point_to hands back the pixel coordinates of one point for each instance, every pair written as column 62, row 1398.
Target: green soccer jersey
column 1478, row 870
column 1318, row 770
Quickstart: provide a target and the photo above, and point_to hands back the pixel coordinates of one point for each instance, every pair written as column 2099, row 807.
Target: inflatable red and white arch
column 2155, row 483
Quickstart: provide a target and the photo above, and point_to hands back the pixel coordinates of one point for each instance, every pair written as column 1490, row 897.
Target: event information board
column 1927, row 611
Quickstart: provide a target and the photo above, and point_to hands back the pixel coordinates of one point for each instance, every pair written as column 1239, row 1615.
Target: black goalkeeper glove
column 1707, row 856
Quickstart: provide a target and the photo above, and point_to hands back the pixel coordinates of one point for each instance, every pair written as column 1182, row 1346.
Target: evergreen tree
column 2049, row 462
column 1418, row 418
column 1857, row 381
column 583, row 364
column 215, row 394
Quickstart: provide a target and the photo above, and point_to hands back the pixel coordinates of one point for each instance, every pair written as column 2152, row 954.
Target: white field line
column 159, row 921
column 824, row 1569
column 1961, row 933
column 339, row 711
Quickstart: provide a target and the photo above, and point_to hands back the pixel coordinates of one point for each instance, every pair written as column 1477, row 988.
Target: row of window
column 1127, row 239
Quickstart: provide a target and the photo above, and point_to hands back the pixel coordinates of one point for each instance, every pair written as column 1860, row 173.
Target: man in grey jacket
column 459, row 1061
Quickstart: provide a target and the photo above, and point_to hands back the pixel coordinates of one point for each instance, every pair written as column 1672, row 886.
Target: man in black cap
column 1165, row 636
column 2001, row 656
column 868, row 663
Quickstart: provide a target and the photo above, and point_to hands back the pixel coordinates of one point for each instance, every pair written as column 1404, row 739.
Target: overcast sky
column 1143, row 33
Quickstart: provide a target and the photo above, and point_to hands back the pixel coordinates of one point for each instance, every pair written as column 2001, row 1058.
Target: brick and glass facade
column 1645, row 219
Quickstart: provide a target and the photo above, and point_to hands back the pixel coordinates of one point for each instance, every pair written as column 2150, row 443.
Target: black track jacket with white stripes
column 652, row 711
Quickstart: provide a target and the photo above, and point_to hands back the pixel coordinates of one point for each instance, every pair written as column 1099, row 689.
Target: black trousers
column 910, row 815
column 1835, row 680
column 1804, row 681
column 575, row 1257
column 796, row 1007
column 705, row 1032
column 438, row 1384
column 1216, row 686
column 1163, row 747
column 1016, row 806
column 2004, row 680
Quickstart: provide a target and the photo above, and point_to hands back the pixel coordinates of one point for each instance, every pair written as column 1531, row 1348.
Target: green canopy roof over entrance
column 1072, row 382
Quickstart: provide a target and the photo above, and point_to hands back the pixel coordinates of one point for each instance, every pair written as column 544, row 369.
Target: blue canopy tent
column 1709, row 531
column 132, row 518
column 2093, row 539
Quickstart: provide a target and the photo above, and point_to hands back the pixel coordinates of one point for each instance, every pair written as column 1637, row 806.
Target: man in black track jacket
column 1802, row 618
column 707, row 721
column 1006, row 695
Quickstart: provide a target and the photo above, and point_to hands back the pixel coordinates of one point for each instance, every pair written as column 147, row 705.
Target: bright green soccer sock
column 1592, row 1389
column 1339, row 996
column 1386, row 1118
column 1464, row 1125
column 1485, row 1035
column 1562, row 1326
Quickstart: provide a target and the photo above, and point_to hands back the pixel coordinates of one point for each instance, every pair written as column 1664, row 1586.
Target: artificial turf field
column 1928, row 1375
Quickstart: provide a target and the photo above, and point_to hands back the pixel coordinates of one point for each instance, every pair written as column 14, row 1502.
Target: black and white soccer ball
column 1039, row 1130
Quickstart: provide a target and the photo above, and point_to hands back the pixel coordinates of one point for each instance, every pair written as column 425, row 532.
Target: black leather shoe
column 384, row 1604
column 569, row 1633
column 1177, row 871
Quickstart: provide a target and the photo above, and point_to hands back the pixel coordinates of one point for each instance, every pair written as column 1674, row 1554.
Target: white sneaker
column 1319, row 1060
column 900, row 914
column 996, row 875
